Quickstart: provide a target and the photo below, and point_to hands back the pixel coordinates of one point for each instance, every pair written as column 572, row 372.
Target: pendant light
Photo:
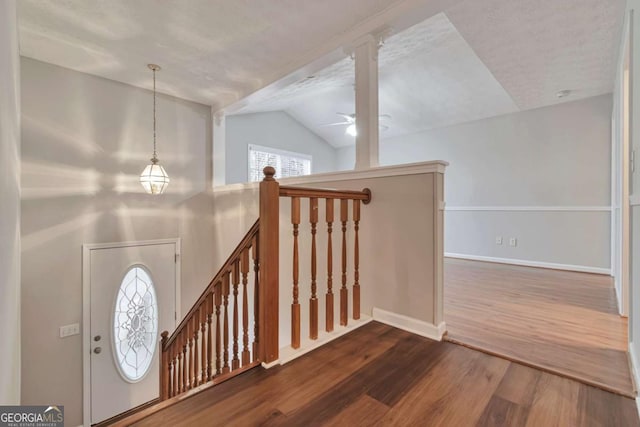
column 154, row 178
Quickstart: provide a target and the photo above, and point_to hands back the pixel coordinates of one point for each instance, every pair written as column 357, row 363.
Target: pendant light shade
column 154, row 178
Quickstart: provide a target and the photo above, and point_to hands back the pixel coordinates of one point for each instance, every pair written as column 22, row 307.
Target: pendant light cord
column 155, row 154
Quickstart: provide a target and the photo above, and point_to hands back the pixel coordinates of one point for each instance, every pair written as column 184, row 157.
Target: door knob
column 97, row 350
column 97, row 338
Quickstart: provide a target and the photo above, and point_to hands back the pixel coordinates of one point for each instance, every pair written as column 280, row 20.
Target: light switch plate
column 69, row 330
column 498, row 240
column 513, row 241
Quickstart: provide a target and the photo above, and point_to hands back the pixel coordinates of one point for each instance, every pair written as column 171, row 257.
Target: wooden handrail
column 186, row 359
column 226, row 267
column 326, row 193
column 212, row 340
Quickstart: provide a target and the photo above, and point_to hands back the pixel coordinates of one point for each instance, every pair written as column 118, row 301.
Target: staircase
column 234, row 324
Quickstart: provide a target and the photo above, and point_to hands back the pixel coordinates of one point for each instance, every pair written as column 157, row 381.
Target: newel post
column 269, row 266
column 164, row 367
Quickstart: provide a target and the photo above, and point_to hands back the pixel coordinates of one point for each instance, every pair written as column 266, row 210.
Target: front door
column 133, row 299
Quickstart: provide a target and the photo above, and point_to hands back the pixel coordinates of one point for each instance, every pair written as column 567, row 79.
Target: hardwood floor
column 381, row 376
column 564, row 322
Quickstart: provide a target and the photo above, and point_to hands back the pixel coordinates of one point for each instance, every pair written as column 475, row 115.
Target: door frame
column 86, row 307
column 621, row 173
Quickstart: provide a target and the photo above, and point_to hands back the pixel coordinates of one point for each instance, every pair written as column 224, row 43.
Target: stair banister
column 269, row 265
column 194, row 356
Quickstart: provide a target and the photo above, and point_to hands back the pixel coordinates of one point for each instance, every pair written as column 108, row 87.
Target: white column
column 219, row 144
column 366, row 58
column 9, row 205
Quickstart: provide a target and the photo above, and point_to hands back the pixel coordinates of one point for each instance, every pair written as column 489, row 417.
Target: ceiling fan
column 350, row 122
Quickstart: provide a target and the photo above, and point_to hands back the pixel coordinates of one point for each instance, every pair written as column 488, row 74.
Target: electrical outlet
column 69, row 330
column 499, row 240
column 513, row 241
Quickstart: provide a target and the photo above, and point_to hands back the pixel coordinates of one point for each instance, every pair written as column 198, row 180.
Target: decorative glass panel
column 135, row 324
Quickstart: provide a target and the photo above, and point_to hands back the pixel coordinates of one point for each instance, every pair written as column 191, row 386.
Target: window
column 135, row 324
column 286, row 163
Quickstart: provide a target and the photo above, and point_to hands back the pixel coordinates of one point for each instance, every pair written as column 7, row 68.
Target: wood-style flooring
column 561, row 321
column 382, row 376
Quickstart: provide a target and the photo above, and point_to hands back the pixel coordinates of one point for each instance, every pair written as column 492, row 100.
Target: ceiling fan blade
column 337, row 124
column 348, row 117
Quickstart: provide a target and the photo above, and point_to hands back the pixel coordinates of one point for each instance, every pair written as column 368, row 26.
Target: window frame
column 277, row 152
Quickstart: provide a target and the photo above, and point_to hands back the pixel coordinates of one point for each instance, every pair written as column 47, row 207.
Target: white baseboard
column 409, row 324
column 635, row 365
column 526, row 263
column 618, row 293
column 270, row 364
column 287, row 354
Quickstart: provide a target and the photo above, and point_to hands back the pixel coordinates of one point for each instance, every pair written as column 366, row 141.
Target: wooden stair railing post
column 256, row 297
column 195, row 358
column 344, row 293
column 269, row 266
column 174, row 378
column 244, row 269
column 203, row 344
column 218, row 291
column 225, row 327
column 184, row 366
column 329, row 298
column 165, row 367
column 209, row 336
column 356, row 260
column 235, row 362
column 313, row 301
column 295, row 305
column 190, row 352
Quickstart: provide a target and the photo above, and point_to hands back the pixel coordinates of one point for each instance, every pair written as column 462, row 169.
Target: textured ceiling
column 211, row 51
column 337, row 76
column 429, row 77
column 536, row 48
column 478, row 59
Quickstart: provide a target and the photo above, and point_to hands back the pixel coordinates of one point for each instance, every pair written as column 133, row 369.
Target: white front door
column 132, row 300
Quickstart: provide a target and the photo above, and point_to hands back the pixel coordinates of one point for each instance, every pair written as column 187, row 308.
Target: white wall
column 634, row 297
column 346, row 158
column 556, row 156
column 277, row 130
column 9, row 205
column 398, row 252
column 85, row 142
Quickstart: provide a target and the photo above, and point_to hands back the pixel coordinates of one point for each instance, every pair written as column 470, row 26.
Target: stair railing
column 211, row 344
column 346, row 198
column 208, row 344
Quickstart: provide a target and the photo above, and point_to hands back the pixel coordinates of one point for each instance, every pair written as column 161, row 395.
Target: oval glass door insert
column 135, row 324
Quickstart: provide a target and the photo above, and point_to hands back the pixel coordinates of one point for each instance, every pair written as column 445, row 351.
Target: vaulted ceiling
column 469, row 59
column 476, row 60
